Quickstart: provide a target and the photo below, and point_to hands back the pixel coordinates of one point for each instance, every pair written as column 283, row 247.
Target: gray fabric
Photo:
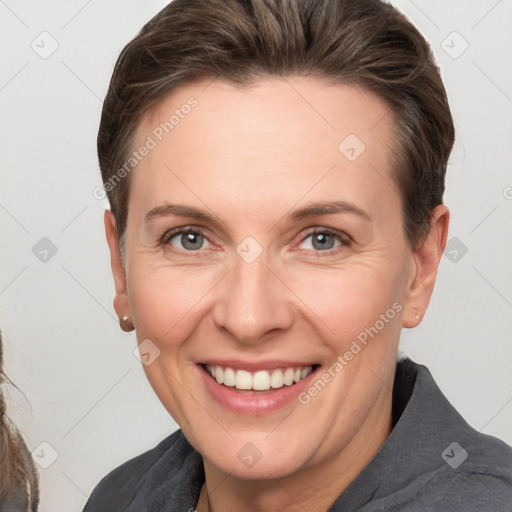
column 408, row 474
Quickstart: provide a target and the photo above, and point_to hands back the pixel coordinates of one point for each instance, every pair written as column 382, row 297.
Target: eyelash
column 343, row 237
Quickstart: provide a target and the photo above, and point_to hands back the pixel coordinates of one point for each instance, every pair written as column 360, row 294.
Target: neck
column 314, row 487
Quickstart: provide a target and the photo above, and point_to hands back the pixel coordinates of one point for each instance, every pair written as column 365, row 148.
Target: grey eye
column 190, row 241
column 321, row 241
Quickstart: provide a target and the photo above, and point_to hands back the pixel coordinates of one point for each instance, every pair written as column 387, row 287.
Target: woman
column 19, row 491
column 275, row 171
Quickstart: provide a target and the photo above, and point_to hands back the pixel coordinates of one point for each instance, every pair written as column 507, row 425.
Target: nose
column 253, row 302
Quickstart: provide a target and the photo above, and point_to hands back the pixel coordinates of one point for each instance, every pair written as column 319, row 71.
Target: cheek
column 163, row 302
column 346, row 301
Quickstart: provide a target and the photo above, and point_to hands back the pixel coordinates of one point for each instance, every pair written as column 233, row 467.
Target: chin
column 253, row 457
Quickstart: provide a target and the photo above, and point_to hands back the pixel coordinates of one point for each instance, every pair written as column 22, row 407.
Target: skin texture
column 250, row 157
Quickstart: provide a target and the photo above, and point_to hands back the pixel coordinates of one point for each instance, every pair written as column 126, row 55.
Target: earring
column 419, row 316
column 126, row 324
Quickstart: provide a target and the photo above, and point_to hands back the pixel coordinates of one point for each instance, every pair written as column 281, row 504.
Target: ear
column 426, row 261
column 121, row 301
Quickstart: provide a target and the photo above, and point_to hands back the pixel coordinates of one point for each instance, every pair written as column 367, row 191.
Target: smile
column 261, row 380
column 256, row 389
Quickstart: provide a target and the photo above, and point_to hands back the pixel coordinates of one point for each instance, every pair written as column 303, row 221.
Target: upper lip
column 253, row 366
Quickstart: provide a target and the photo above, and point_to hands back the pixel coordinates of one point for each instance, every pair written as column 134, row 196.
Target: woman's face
column 264, row 287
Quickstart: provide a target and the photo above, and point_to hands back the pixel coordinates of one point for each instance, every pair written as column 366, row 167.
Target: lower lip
column 257, row 404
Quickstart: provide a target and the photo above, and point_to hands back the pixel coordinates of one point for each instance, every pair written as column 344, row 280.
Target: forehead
column 318, row 106
column 275, row 140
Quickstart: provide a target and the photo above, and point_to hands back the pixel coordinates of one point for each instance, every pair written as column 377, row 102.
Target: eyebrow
column 312, row 210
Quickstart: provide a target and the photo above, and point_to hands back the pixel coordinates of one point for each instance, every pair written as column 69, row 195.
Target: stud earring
column 419, row 316
column 126, row 324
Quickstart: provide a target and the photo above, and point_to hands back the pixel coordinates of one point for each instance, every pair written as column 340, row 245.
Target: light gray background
column 83, row 391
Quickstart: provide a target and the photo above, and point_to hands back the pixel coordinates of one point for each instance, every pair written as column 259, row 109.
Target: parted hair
column 19, row 481
column 367, row 43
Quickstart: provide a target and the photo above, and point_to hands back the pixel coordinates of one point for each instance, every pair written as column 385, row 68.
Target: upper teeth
column 260, row 380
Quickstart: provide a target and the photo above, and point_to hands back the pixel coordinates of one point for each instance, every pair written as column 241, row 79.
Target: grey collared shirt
column 431, row 461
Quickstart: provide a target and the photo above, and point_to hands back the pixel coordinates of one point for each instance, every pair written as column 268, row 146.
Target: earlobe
column 121, row 301
column 426, row 258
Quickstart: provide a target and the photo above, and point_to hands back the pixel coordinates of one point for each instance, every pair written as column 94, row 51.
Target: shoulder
column 450, row 465
column 120, row 486
column 474, row 472
column 483, row 481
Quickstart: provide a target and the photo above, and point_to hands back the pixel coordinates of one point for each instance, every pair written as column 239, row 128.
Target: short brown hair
column 368, row 43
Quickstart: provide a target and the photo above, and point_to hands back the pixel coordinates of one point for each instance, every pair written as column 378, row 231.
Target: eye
column 191, row 239
column 324, row 240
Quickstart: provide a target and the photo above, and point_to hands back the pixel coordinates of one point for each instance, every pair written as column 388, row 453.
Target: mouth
column 258, row 381
column 256, row 391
